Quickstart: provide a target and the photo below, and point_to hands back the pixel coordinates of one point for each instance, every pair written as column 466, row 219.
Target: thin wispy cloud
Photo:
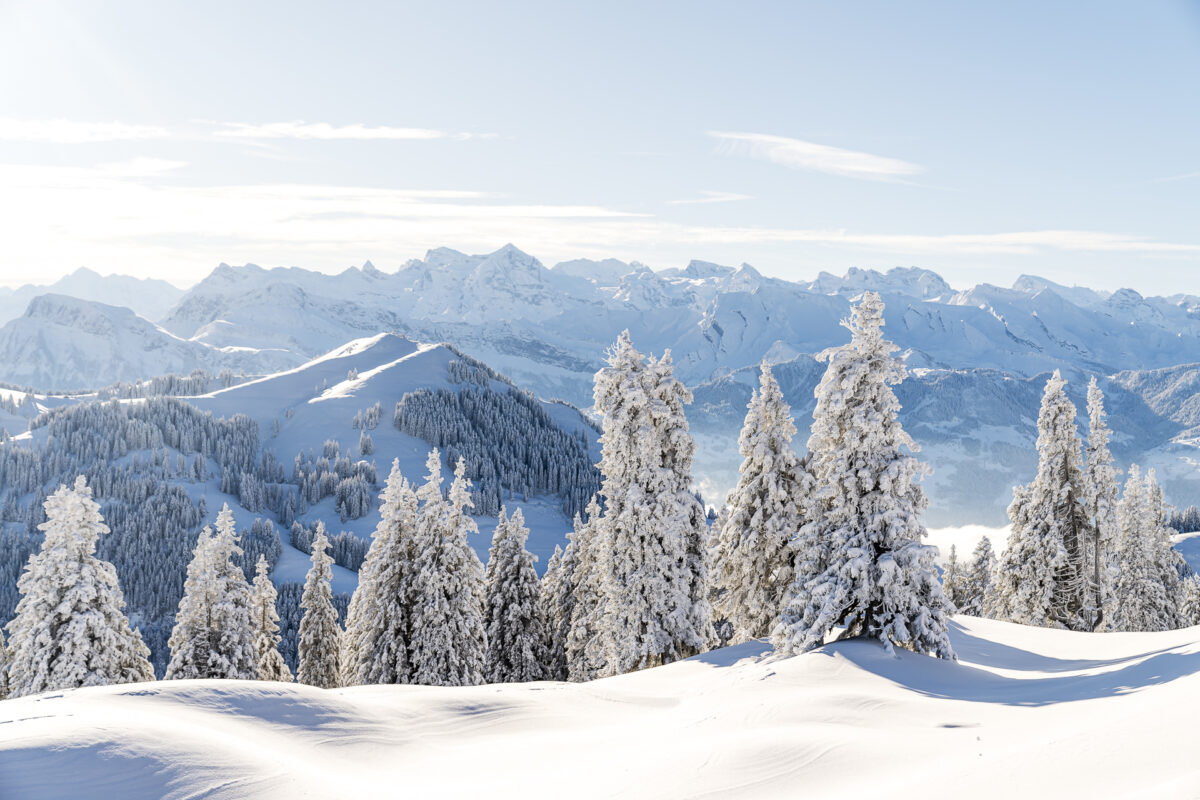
column 64, row 131
column 711, row 197
column 299, row 129
column 799, row 154
column 141, row 214
column 1185, row 176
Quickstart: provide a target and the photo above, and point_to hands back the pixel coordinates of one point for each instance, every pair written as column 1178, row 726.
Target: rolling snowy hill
column 1026, row 712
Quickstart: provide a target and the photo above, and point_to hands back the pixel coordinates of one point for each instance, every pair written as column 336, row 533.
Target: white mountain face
column 987, row 348
column 67, row 343
column 148, row 297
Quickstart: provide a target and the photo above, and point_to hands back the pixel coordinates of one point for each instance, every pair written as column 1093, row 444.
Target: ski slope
column 1026, row 712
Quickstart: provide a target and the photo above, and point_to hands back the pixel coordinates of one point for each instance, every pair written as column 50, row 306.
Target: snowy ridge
column 1024, row 712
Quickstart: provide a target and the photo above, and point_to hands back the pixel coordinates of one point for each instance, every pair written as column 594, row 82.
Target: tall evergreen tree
column 681, row 506
column 271, row 666
column 516, row 631
column 213, row 635
column 753, row 561
column 1043, row 576
column 952, row 579
column 553, row 600
column 320, row 636
column 653, row 546
column 862, row 565
column 379, row 619
column 70, row 628
column 977, row 581
column 1100, row 481
column 448, row 639
column 587, row 628
column 1147, row 592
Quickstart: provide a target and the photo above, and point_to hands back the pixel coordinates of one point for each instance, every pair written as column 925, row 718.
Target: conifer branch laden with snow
column 320, row 636
column 70, row 629
column 861, row 565
column 1147, row 590
column 1100, row 481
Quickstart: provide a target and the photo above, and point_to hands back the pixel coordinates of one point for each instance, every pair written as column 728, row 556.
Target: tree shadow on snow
column 959, row 681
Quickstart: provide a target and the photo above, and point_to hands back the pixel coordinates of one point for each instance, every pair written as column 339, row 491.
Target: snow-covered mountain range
column 978, row 356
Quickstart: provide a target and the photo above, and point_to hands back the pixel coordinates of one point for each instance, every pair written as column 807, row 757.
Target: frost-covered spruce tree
column 753, row 562
column 1189, row 602
column 320, row 636
column 952, row 579
column 448, row 637
column 271, row 666
column 70, row 628
column 977, row 580
column 647, row 615
column 379, row 619
column 1100, row 482
column 865, row 570
column 1043, row 576
column 214, row 634
column 587, row 626
column 1146, row 592
column 680, row 506
column 516, row 631
column 554, row 611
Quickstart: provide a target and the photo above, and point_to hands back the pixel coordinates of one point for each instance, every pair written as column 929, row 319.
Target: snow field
column 1025, row 712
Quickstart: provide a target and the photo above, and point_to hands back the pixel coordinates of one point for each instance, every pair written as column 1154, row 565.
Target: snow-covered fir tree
column 681, row 507
column 1146, row 592
column 1100, row 482
column 320, row 636
column 448, row 637
column 1189, row 601
column 587, row 628
column 862, row 566
column 379, row 620
column 655, row 605
column 953, row 578
column 271, row 666
column 753, row 561
column 516, row 631
column 214, row 633
column 1043, row 576
column 70, row 629
column 554, row 599
column 977, row 581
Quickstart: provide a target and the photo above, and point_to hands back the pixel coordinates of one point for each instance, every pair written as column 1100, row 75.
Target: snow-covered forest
column 803, row 549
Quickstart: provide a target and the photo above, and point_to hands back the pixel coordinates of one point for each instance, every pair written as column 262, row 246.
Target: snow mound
column 1025, row 712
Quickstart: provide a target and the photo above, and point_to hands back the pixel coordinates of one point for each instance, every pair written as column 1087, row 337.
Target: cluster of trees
column 196, row 382
column 511, row 446
column 346, row 549
column 832, row 542
column 1083, row 555
column 333, row 474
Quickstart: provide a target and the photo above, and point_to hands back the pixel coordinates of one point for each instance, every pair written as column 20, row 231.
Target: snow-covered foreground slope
column 1026, row 712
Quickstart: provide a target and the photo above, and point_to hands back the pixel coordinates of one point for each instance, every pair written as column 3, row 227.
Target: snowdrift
column 1025, row 712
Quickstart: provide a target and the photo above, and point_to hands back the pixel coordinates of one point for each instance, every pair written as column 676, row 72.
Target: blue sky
column 979, row 140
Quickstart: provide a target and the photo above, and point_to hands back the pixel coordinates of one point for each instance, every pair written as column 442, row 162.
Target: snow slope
column 1026, row 712
column 317, row 401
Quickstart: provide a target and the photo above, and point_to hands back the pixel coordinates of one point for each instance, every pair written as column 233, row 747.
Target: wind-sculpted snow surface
column 1025, row 712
